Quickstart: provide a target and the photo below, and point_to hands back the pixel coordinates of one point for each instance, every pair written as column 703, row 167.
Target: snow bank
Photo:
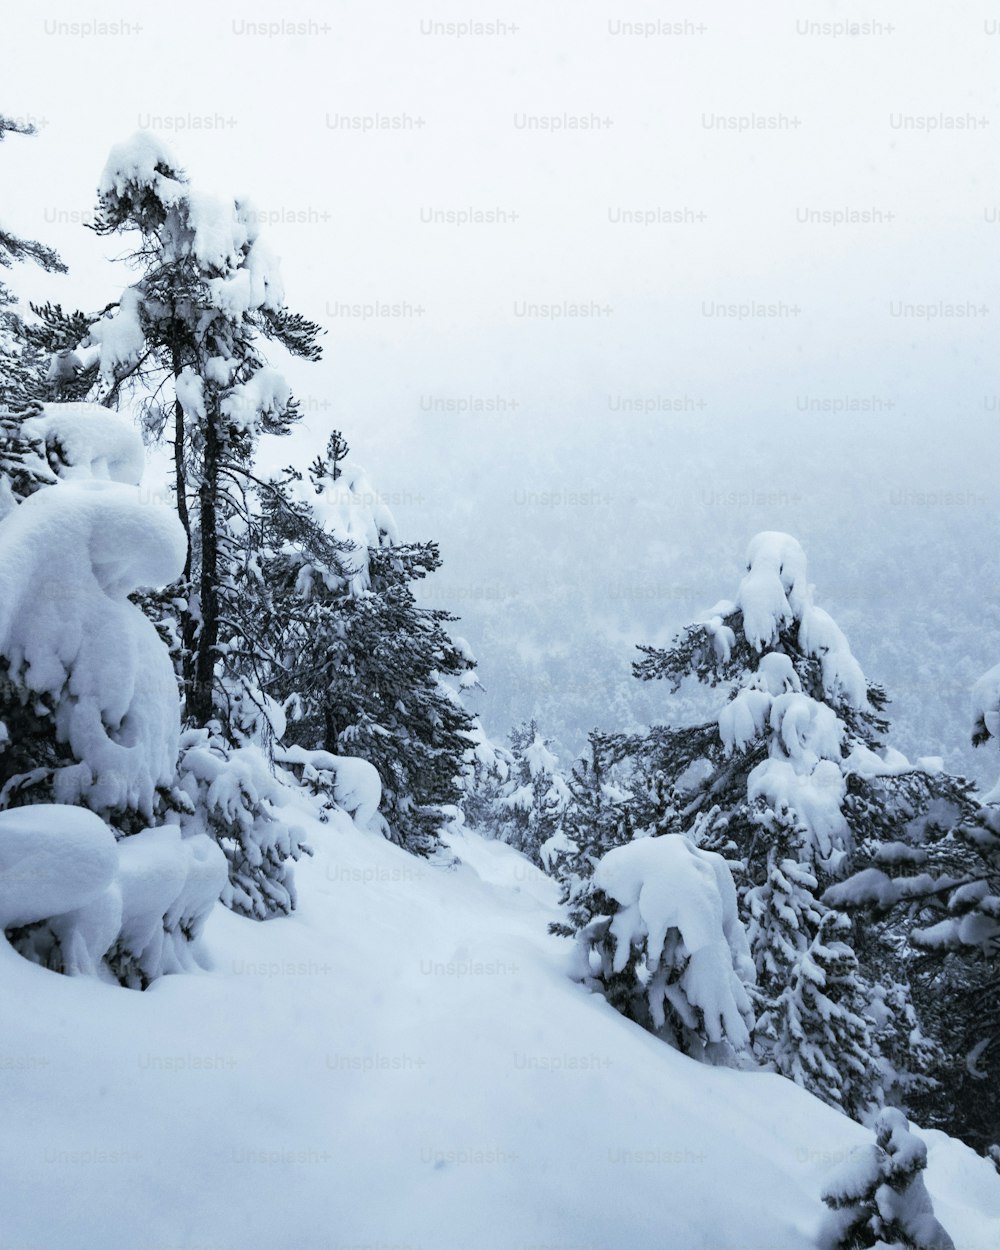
column 411, row 1027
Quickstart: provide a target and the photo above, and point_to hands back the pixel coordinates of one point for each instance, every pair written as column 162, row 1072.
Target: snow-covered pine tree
column 877, row 1197
column 938, row 883
column 489, row 769
column 798, row 745
column 597, row 817
column 667, row 948
column 812, row 1025
column 185, row 340
column 365, row 670
column 23, row 367
column 529, row 804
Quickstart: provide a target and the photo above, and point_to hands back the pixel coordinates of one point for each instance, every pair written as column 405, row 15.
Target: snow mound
column 59, row 864
column 53, row 859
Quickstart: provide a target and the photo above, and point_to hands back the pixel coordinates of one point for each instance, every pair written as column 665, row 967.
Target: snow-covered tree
column 816, row 1028
column 877, row 1197
column 489, row 766
column 597, row 817
column 938, row 883
column 813, row 1026
column 89, row 718
column 88, row 694
column 184, row 342
column 667, row 947
column 364, row 669
column 23, row 367
column 185, row 339
column 529, row 803
column 788, row 776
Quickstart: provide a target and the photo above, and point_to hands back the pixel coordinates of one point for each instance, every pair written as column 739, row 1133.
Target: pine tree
column 597, row 818
column 938, row 884
column 366, row 669
column 529, row 804
column 812, row 1025
column 790, row 779
column 666, row 947
column 23, row 367
column 184, row 340
column 877, row 1197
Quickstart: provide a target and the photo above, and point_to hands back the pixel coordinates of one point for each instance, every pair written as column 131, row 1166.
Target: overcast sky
column 761, row 215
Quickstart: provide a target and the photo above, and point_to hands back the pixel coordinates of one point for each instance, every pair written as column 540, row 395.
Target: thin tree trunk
column 188, row 628
column 201, row 702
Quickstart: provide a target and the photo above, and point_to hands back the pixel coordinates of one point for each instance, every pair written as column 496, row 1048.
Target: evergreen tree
column 790, row 779
column 530, row 802
column 666, row 947
column 363, row 667
column 597, row 818
column 23, row 367
column 938, row 885
column 877, row 1197
column 185, row 339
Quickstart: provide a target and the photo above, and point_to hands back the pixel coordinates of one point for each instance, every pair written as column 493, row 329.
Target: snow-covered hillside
column 403, row 1062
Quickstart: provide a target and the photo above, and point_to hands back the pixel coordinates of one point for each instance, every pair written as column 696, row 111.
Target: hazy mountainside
column 559, row 562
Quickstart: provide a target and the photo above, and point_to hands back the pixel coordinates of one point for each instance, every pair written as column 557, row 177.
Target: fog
column 608, row 289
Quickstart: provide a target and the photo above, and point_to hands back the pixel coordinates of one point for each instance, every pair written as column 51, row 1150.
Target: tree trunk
column 188, row 628
column 201, row 702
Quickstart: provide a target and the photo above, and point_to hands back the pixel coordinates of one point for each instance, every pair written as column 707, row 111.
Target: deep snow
column 403, row 1062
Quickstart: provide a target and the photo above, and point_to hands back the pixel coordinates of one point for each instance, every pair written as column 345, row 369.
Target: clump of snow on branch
column 69, row 557
column 88, row 441
column 677, row 916
column 352, row 783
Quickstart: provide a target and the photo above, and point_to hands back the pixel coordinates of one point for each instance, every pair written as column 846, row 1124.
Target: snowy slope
column 402, row 1063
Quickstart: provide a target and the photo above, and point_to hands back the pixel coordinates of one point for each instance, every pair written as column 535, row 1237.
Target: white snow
column 815, row 797
column 88, row 441
column 53, row 859
column 134, row 164
column 986, row 703
column 357, row 787
column 668, row 883
column 169, row 887
column 69, row 557
column 404, row 1062
column 265, row 393
column 119, row 334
